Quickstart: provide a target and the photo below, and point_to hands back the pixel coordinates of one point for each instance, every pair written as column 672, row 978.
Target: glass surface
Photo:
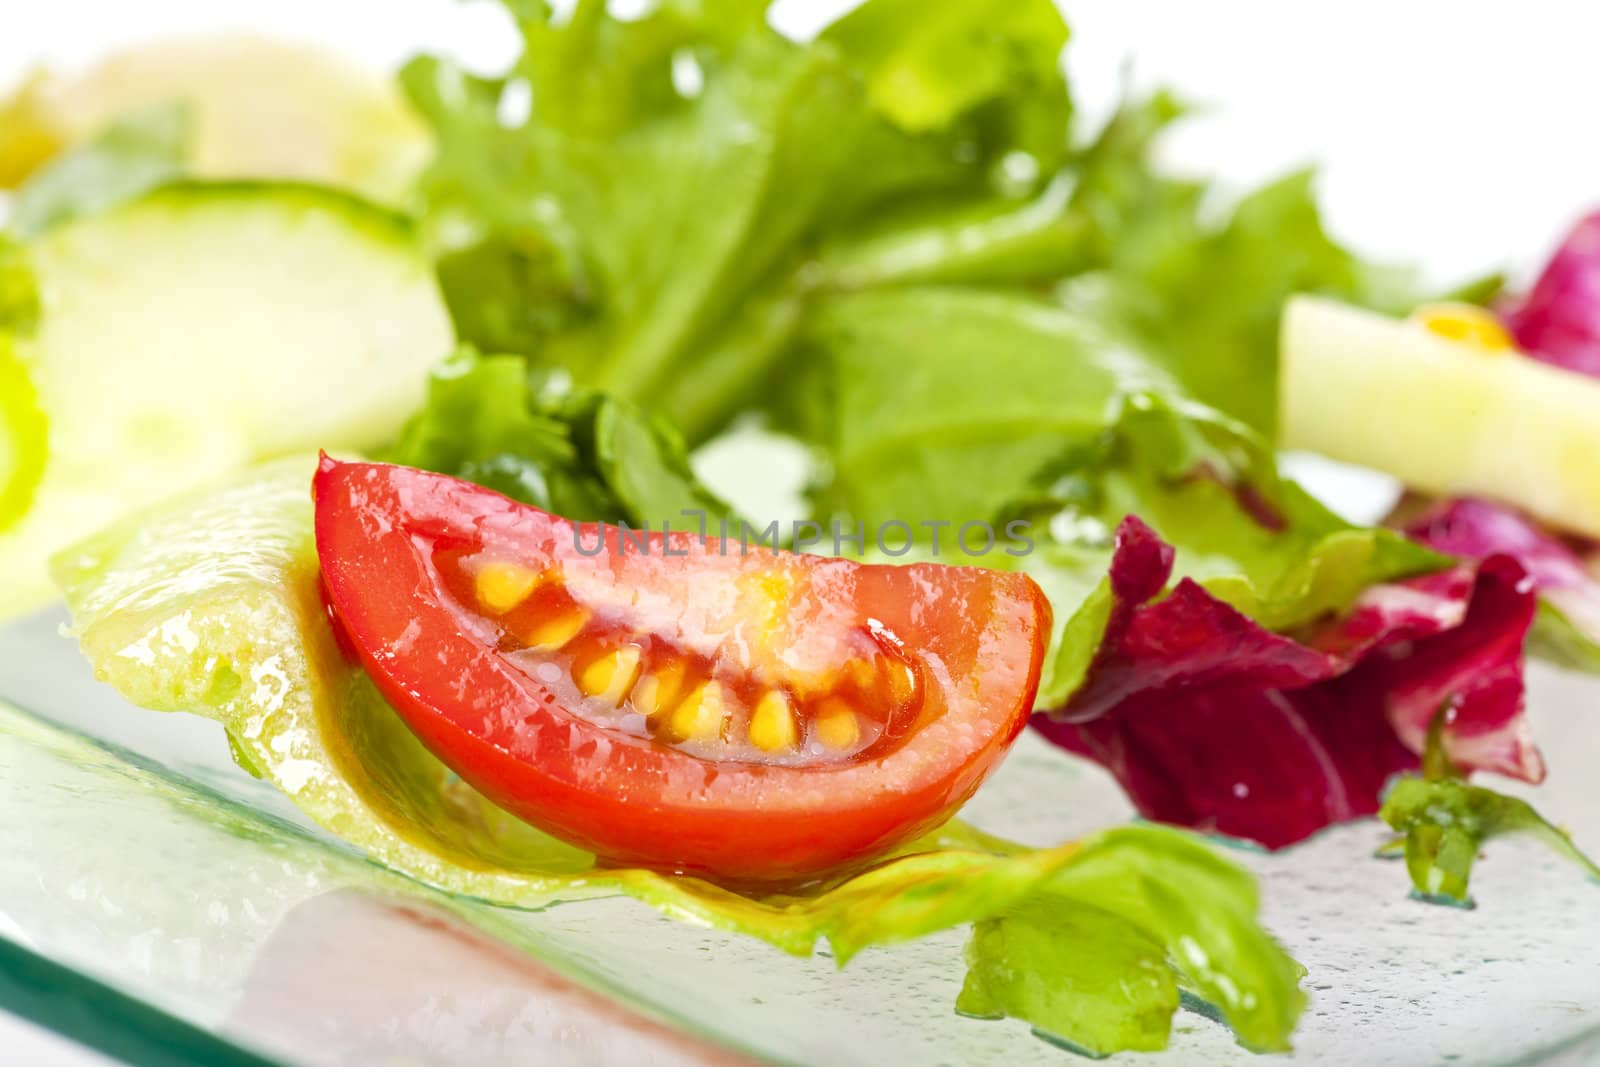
column 145, row 867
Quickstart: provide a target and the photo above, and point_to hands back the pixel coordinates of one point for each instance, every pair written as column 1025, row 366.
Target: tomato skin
column 633, row 799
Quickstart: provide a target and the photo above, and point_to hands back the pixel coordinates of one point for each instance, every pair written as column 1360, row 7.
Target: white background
column 1462, row 135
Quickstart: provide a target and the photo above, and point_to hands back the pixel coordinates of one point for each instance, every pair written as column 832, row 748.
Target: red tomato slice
column 750, row 715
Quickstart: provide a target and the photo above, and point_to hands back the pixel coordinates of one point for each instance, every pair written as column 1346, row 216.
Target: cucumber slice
column 205, row 327
column 1442, row 416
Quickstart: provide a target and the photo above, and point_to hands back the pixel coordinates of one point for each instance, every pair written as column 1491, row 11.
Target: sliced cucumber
column 1442, row 416
column 205, row 327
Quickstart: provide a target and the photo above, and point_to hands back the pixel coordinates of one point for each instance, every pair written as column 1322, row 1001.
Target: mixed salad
column 369, row 424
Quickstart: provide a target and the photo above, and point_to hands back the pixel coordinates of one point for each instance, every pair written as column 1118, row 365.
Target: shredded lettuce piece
column 1445, row 821
column 210, row 605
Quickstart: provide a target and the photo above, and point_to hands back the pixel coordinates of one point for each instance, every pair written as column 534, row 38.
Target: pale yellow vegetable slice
column 1442, row 416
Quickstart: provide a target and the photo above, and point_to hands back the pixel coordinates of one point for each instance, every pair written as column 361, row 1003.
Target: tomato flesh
column 646, row 683
column 727, row 710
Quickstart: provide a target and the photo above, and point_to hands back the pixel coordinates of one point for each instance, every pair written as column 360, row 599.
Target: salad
column 376, row 430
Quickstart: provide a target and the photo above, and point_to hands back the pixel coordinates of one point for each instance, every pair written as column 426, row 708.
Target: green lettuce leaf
column 1002, row 240
column 1081, row 423
column 1090, row 958
column 577, row 453
column 136, row 153
column 917, row 423
column 210, row 605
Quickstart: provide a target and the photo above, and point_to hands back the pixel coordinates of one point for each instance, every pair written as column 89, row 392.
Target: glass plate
column 161, row 904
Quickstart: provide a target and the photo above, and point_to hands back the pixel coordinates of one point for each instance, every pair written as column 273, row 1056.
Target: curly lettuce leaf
column 210, row 605
column 580, row 454
column 898, row 391
column 135, row 154
column 992, row 242
column 1072, row 431
column 651, row 223
column 672, row 206
column 685, row 205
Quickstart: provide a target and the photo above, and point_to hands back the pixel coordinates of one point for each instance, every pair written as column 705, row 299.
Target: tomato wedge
column 705, row 706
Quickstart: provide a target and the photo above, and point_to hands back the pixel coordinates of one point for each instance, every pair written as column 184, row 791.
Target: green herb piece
column 1446, row 821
